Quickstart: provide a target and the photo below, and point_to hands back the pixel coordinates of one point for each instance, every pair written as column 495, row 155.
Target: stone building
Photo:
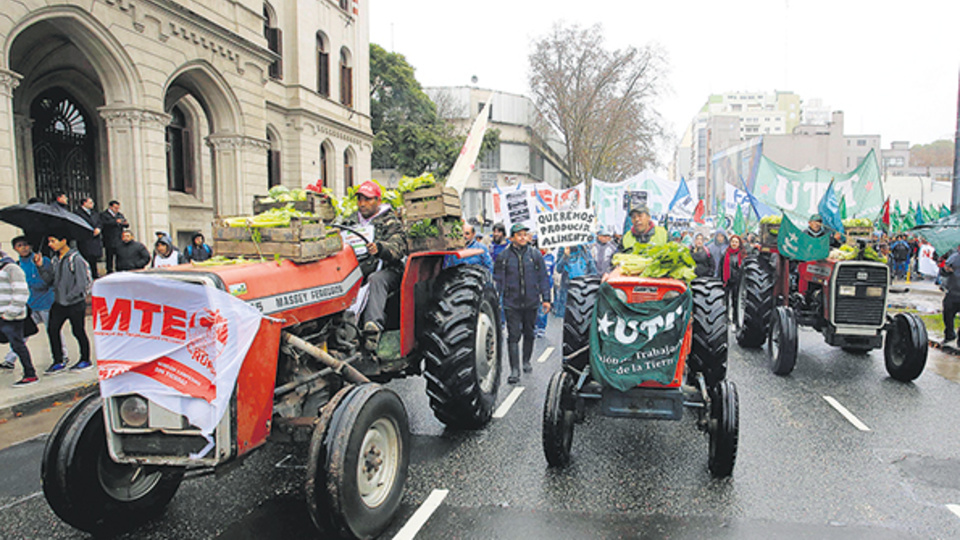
column 181, row 110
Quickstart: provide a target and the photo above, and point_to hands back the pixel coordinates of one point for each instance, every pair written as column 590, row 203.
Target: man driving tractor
column 643, row 230
column 383, row 269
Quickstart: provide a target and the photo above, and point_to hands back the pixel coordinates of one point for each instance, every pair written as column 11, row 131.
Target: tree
column 600, row 101
column 936, row 154
column 408, row 134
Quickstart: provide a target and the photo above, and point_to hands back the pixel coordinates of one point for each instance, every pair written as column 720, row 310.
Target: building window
column 536, row 164
column 348, row 168
column 345, row 5
column 861, row 142
column 273, row 161
column 323, row 66
column 180, row 175
column 346, row 79
column 274, row 41
column 324, row 175
column 490, row 161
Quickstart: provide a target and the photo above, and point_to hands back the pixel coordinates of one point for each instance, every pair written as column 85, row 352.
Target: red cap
column 369, row 189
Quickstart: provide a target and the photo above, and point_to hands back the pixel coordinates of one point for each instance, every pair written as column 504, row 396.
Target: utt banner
column 178, row 344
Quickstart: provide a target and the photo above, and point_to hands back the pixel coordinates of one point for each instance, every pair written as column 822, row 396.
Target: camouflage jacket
column 390, row 239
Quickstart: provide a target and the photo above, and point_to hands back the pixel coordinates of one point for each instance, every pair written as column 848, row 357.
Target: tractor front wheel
column 90, row 491
column 559, row 416
column 905, row 350
column 724, row 428
column 358, row 462
column 782, row 345
column 461, row 345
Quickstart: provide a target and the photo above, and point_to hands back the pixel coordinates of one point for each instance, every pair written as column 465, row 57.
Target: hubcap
column 485, row 355
column 378, row 463
column 125, row 482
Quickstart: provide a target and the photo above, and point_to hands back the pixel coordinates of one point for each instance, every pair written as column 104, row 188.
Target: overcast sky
column 892, row 67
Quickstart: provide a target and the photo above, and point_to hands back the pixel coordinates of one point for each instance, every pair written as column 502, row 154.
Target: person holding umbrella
column 70, row 277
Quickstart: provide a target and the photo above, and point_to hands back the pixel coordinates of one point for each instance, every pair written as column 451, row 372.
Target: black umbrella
column 41, row 219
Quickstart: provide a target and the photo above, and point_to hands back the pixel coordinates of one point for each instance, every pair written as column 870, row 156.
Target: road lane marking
column 420, row 517
column 546, row 354
column 846, row 414
column 21, row 500
column 955, row 508
column 504, row 407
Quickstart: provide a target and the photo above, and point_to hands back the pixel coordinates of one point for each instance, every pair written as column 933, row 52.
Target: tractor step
column 647, row 403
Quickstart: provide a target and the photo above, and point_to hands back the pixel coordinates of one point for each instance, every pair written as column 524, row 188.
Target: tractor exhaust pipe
column 349, row 372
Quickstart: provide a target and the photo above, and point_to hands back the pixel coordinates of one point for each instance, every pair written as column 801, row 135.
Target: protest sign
column 179, row 344
column 564, row 228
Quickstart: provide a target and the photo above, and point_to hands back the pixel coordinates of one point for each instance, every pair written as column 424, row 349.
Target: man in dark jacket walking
column 113, row 223
column 131, row 255
column 383, row 268
column 198, row 250
column 70, row 277
column 91, row 247
column 521, row 278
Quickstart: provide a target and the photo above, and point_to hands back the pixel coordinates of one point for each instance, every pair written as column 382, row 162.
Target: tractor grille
column 860, row 309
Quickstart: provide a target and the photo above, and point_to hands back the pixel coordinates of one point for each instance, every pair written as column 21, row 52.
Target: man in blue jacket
column 481, row 259
column 521, row 278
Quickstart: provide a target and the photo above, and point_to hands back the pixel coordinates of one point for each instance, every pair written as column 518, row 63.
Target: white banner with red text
column 178, row 344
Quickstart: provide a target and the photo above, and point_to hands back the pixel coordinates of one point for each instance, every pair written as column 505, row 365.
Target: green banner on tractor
column 635, row 343
column 798, row 245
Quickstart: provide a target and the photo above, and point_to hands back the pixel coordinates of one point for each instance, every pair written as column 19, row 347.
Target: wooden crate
column 431, row 202
column 303, row 241
column 315, row 203
column 768, row 234
column 858, row 233
column 436, row 243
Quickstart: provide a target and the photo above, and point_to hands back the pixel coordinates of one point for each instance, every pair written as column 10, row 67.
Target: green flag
column 798, row 245
column 896, row 207
column 635, row 343
column 843, row 207
column 721, row 215
column 739, row 225
column 944, row 211
column 931, row 213
column 910, row 219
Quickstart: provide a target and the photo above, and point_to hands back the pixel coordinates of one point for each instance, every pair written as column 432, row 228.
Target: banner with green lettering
column 635, row 343
column 799, row 193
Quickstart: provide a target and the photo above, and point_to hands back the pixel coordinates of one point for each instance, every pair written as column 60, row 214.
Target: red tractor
column 698, row 377
column 113, row 463
column 845, row 300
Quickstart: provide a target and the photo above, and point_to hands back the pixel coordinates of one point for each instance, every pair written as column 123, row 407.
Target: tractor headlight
column 134, row 412
column 621, row 295
column 670, row 295
column 848, row 290
column 875, row 292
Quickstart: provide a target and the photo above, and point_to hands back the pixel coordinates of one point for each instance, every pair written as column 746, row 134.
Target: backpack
column 900, row 250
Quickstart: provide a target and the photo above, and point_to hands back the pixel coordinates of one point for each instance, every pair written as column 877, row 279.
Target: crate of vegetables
column 277, row 233
column 769, row 227
column 858, row 229
column 425, row 198
column 303, row 200
column 438, row 234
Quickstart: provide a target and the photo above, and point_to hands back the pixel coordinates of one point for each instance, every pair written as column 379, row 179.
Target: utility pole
column 955, row 199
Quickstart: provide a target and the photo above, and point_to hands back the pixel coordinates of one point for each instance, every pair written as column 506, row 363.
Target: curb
column 33, row 405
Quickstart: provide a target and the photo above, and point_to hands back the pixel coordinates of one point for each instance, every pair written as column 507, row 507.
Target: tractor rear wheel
column 358, row 462
column 782, row 345
column 461, row 345
column 581, row 296
column 754, row 302
column 708, row 354
column 905, row 350
column 559, row 416
column 90, row 491
column 725, row 428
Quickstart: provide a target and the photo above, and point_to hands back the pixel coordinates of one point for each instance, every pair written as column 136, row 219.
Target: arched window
column 63, row 147
column 274, row 40
column 345, row 5
column 180, row 175
column 346, row 78
column 323, row 66
column 273, row 161
column 348, row 168
column 324, row 176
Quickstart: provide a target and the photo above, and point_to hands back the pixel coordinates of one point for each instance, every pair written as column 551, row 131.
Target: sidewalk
column 51, row 388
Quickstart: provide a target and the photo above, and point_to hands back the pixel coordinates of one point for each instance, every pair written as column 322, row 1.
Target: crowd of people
column 48, row 284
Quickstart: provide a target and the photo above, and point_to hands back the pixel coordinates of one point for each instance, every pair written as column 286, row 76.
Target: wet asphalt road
column 803, row 471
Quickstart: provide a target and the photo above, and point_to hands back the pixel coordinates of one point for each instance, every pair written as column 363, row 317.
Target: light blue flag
column 829, row 209
column 920, row 219
column 682, row 193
